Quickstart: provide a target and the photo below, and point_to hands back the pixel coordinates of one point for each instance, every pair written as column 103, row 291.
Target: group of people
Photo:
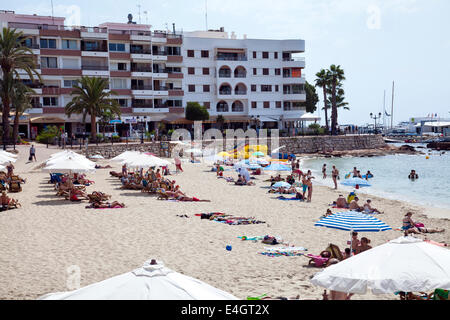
column 352, row 203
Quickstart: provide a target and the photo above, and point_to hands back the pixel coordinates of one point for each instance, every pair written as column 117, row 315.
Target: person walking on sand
column 32, row 153
column 310, row 188
column 335, row 175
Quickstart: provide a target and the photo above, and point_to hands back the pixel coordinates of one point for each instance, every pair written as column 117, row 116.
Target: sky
column 376, row 42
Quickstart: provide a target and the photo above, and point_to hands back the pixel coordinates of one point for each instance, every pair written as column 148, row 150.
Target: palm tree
column 14, row 56
column 92, row 98
column 322, row 81
column 20, row 102
column 336, row 78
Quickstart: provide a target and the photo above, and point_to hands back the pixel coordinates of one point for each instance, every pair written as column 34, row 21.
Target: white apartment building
column 245, row 79
column 156, row 73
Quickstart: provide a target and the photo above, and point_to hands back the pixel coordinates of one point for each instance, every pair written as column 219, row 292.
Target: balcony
column 119, row 35
column 174, row 75
column 176, row 39
column 138, row 35
column 95, row 70
column 141, row 69
column 141, row 51
column 224, row 74
column 51, row 90
column 161, row 91
column 225, row 92
column 240, row 92
column 222, row 57
column 240, row 75
column 97, row 67
column 141, row 87
column 32, row 46
column 94, row 32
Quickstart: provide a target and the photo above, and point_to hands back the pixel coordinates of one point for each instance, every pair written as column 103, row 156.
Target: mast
column 392, row 108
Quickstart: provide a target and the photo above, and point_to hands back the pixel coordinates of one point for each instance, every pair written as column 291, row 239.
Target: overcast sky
column 375, row 41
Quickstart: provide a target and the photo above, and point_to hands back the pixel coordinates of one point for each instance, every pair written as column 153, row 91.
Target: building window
column 70, row 83
column 122, row 66
column 69, row 44
column 278, row 104
column 205, row 54
column 254, row 104
column 122, row 102
column 190, row 53
column 275, row 55
column 266, row 88
column 254, row 54
column 118, row 83
column 266, row 71
column 50, row 101
column 191, row 70
column 266, row 104
column 276, row 88
column 49, row 62
column 48, row 43
column 255, row 71
column 206, row 88
column 117, row 47
column 265, row 55
column 277, row 72
column 205, row 71
column 253, row 87
column 192, row 88
column 207, row 105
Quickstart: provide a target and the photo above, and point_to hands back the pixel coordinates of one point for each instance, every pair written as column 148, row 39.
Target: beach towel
column 246, row 238
column 288, row 199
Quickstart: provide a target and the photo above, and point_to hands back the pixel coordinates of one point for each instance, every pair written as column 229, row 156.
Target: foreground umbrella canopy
column 8, row 154
column 406, row 264
column 353, row 221
column 356, row 181
column 150, row 282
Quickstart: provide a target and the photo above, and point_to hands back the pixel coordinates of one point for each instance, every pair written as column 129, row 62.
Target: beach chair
column 318, row 261
column 335, row 252
column 14, row 186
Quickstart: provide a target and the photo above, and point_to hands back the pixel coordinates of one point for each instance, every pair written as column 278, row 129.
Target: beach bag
column 30, row 158
column 420, row 225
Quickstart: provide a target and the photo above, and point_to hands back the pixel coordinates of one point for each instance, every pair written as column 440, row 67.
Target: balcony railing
column 237, row 109
column 162, row 88
column 140, row 69
column 83, row 48
column 160, row 106
column 160, row 53
column 143, row 87
column 224, row 75
column 222, row 109
column 32, row 46
column 93, row 29
column 294, row 59
column 142, row 105
column 36, row 105
column 240, row 75
column 97, row 68
column 225, row 92
column 141, row 51
column 228, row 58
column 240, row 92
column 294, row 92
column 141, row 33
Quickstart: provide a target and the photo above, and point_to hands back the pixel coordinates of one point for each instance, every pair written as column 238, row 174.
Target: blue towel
column 288, row 199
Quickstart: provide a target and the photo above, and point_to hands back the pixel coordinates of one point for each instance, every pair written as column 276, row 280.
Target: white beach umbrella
column 145, row 161
column 126, row 156
column 405, row 264
column 75, row 156
column 69, row 165
column 195, row 151
column 6, row 159
column 150, row 282
column 8, row 154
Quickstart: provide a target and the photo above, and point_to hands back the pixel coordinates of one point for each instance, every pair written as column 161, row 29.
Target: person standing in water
column 324, row 171
column 335, row 175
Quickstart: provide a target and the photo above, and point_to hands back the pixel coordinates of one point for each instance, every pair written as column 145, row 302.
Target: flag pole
column 392, row 108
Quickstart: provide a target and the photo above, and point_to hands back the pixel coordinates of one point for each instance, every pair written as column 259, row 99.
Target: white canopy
column 142, row 160
column 6, row 159
column 437, row 124
column 406, row 264
column 69, row 165
column 309, row 117
column 150, row 282
column 125, row 156
column 74, row 156
column 8, row 154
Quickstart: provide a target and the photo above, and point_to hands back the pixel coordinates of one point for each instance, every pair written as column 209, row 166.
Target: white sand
column 40, row 241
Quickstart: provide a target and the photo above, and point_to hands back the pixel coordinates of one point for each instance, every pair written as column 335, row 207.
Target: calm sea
column 391, row 176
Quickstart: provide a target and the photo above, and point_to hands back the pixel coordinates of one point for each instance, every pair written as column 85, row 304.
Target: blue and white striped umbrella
column 353, row 221
column 352, row 182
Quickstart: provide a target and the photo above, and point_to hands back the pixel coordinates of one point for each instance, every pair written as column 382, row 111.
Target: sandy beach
column 43, row 240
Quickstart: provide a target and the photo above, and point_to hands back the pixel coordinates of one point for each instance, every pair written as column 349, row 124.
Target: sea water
column 391, row 175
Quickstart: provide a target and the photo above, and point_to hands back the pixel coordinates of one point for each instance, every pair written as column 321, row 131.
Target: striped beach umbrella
column 353, row 221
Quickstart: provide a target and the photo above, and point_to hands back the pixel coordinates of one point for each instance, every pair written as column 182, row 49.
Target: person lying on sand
column 428, row 230
column 77, row 195
column 107, row 205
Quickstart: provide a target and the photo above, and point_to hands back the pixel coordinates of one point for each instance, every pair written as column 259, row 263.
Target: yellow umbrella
column 224, row 154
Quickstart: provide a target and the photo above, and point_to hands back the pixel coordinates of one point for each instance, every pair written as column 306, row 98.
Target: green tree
column 20, row 102
column 336, row 78
column 220, row 120
column 196, row 112
column 340, row 99
column 14, row 56
column 311, row 98
column 93, row 99
column 322, row 81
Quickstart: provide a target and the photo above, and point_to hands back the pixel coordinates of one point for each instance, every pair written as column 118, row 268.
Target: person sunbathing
column 77, row 195
column 354, row 205
column 9, row 203
column 428, row 230
column 368, row 208
column 107, row 205
column 341, row 202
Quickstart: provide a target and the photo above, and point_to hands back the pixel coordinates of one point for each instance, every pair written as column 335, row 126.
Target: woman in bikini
column 334, row 175
column 408, row 224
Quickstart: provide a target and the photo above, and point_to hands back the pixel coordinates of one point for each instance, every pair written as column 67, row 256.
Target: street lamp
column 375, row 118
column 141, row 126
